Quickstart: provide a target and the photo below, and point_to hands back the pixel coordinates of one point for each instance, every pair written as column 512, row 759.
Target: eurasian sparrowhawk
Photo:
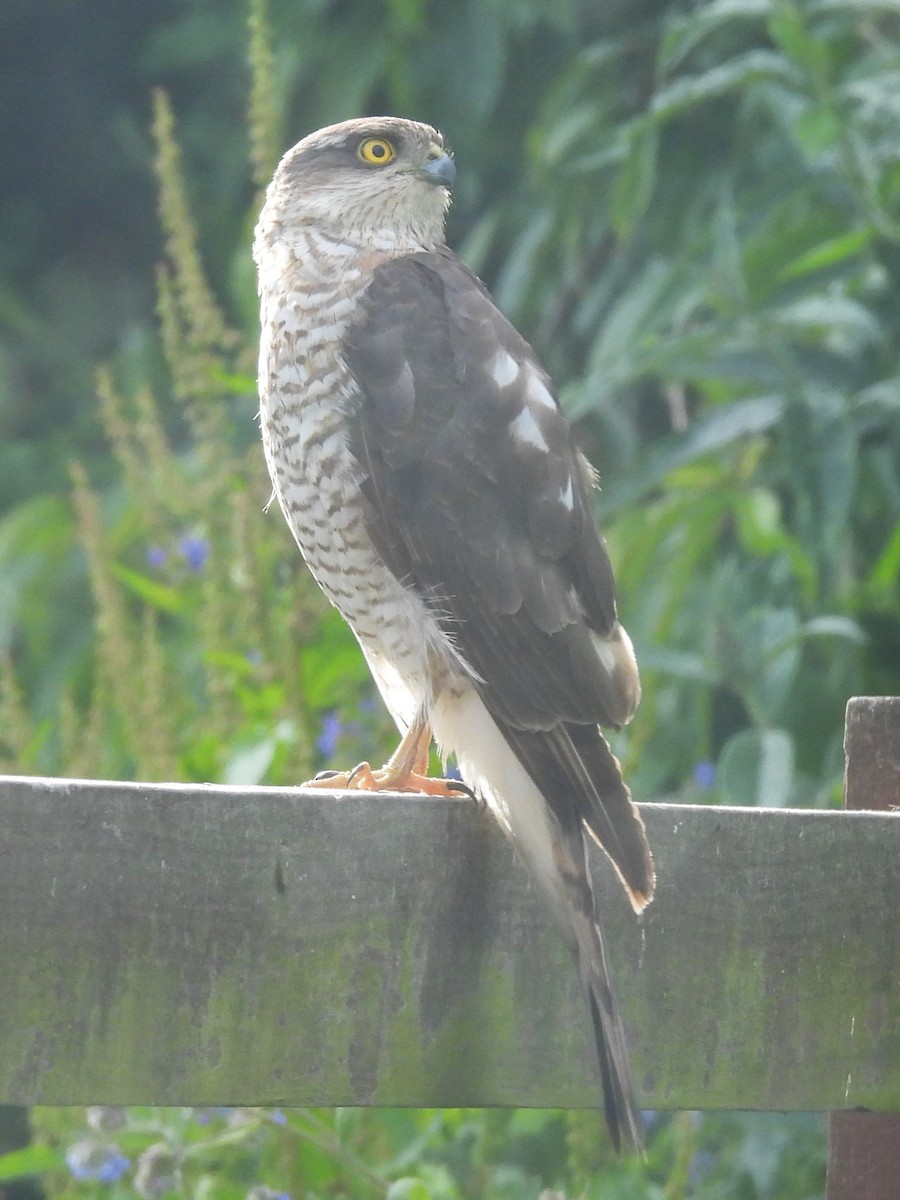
column 421, row 460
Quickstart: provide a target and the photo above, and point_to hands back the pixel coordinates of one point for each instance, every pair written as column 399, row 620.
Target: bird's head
column 381, row 183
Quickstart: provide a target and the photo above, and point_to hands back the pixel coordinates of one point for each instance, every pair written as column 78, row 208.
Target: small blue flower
column 326, row 742
column 277, row 1115
column 92, row 1160
column 114, row 1168
column 705, row 775
column 194, row 550
column 156, row 557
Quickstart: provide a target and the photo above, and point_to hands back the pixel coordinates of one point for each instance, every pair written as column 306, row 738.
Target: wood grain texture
column 864, row 1147
column 164, row 944
column 872, row 753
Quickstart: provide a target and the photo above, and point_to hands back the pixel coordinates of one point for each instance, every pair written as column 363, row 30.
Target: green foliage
column 694, row 214
column 421, row 1154
column 202, row 611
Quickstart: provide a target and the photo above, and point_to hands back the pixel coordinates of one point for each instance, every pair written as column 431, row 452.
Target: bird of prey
column 420, row 457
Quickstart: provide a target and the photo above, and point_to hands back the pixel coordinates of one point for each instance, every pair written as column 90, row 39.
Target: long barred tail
column 580, row 779
column 623, row 1117
column 550, row 791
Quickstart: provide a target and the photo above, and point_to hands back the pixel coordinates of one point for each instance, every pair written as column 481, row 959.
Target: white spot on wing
column 626, row 652
column 526, row 430
column 539, row 392
column 567, row 496
column 575, row 601
column 616, row 655
column 604, row 652
column 504, row 369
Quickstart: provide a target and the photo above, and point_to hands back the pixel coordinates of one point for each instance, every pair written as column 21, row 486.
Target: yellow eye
column 376, row 151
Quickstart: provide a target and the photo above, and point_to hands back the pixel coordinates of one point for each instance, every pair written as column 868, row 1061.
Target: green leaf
column 408, row 1189
column 157, row 594
column 691, row 90
column 635, row 181
column 818, row 130
column 788, row 30
column 839, row 627
column 833, row 315
column 681, row 664
column 707, row 434
column 232, row 382
column 516, row 279
column 884, row 578
column 756, row 769
column 869, row 7
column 332, row 664
column 770, row 644
column 836, row 456
column 758, row 515
column 30, row 1160
column 827, row 254
column 640, row 308
column 685, row 34
column 881, row 398
column 34, row 540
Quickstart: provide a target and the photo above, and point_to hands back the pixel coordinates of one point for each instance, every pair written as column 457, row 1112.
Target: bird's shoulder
column 431, row 350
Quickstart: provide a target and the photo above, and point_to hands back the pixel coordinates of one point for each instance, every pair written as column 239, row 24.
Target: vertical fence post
column 864, row 1148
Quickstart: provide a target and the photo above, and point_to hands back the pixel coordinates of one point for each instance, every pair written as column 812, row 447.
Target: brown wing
column 479, row 499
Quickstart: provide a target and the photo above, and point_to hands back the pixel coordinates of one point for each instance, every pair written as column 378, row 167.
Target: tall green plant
column 201, row 665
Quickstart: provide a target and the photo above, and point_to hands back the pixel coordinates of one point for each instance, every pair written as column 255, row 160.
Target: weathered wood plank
column 864, row 1148
column 205, row 945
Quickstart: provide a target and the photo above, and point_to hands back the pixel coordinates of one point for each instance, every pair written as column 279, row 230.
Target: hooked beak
column 440, row 171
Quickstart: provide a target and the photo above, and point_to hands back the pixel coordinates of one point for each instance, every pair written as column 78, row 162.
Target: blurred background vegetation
column 693, row 212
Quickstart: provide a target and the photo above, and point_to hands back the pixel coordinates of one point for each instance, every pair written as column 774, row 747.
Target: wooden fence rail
column 164, row 944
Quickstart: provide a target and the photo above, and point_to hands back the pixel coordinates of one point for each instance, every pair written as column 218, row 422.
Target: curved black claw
column 457, row 785
column 326, row 774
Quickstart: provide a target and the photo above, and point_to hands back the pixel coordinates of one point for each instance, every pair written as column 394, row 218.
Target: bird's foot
column 388, row 778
